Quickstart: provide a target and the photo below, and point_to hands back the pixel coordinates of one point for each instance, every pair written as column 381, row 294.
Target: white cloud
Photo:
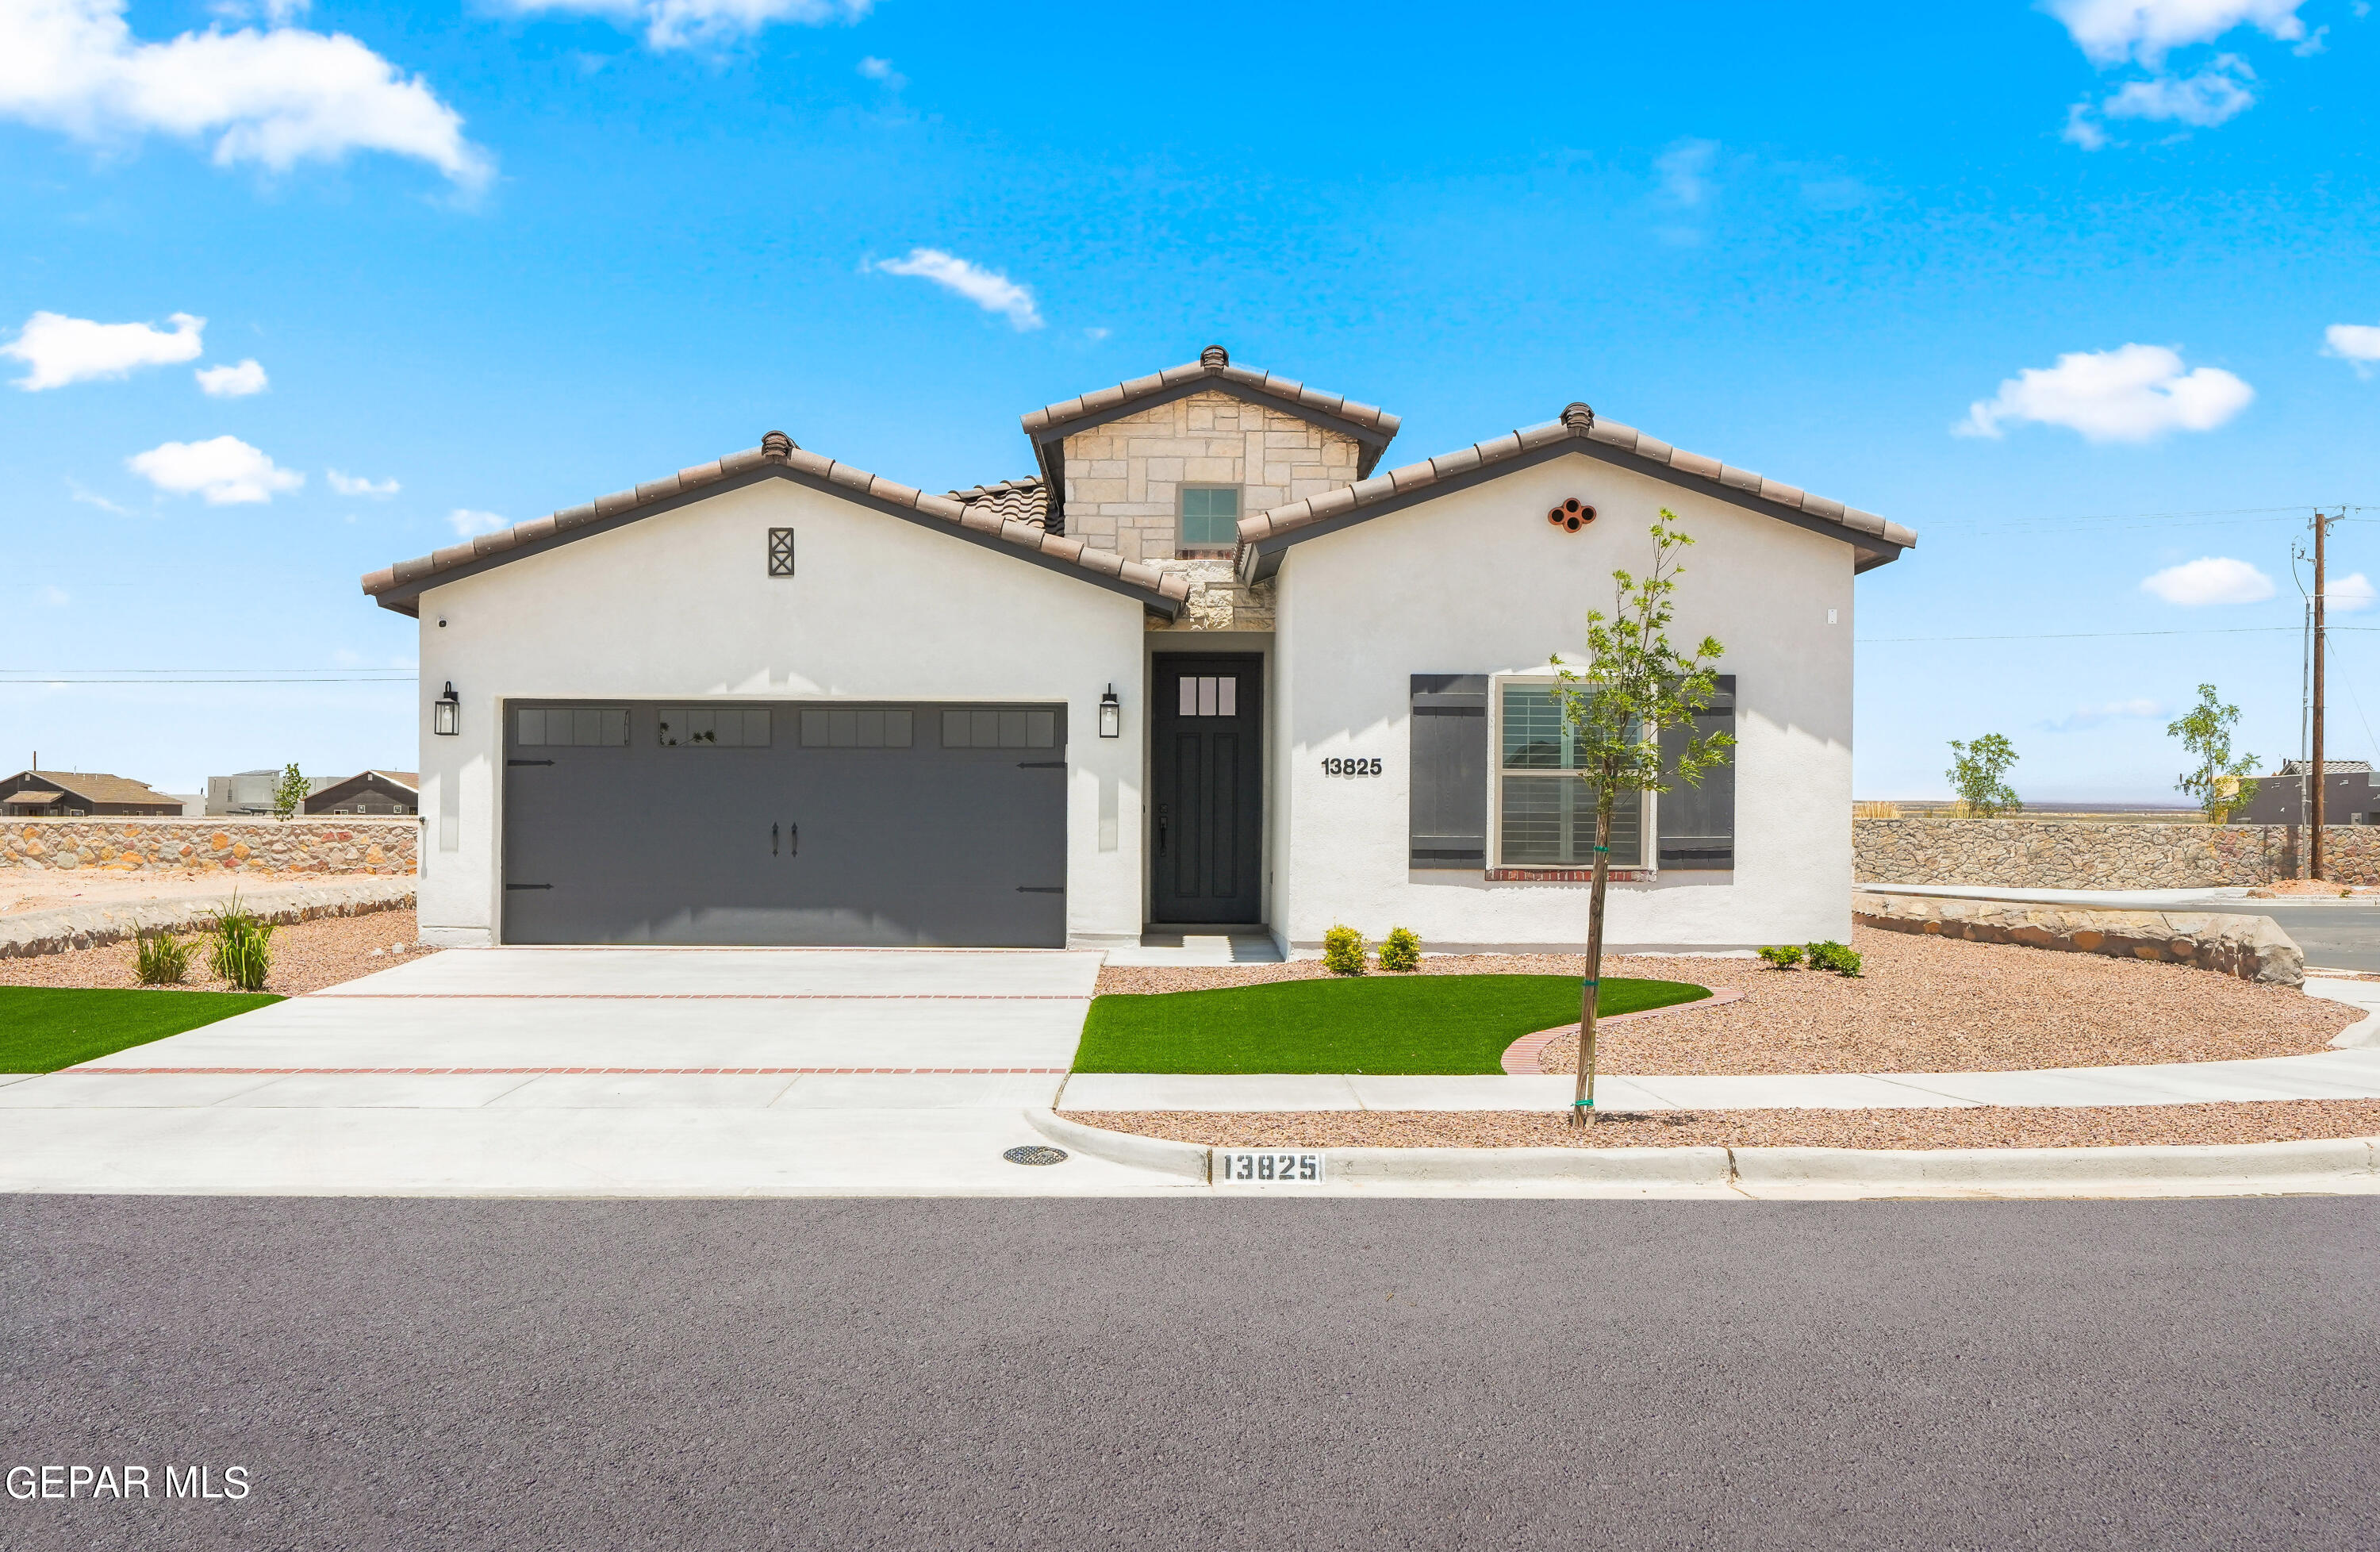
column 467, row 522
column 356, row 485
column 62, row 350
column 2131, row 394
column 1684, row 170
column 2209, row 579
column 689, row 23
column 232, row 382
column 92, row 498
column 877, row 70
column 2110, row 31
column 988, row 289
column 2351, row 593
column 1096, row 334
column 2213, row 96
column 55, row 596
column 2357, row 344
column 2084, row 717
column 227, row 471
column 275, row 97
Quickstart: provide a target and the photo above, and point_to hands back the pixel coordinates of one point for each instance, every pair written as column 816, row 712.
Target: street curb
column 1185, row 1160
column 1985, row 1168
column 2311, row 1165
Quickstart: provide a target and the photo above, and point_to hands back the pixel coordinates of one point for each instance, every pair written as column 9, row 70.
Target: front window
column 1546, row 812
column 1210, row 517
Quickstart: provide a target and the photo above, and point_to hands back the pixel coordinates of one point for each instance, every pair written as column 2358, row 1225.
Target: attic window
column 1210, row 517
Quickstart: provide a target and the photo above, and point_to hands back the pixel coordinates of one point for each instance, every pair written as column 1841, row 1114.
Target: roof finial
column 1578, row 417
column 776, row 445
column 1214, row 358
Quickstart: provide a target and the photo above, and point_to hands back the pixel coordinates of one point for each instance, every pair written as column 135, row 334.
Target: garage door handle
column 773, row 839
column 793, row 840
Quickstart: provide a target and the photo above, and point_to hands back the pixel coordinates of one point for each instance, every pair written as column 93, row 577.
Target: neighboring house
column 252, row 792
column 81, row 794
column 1212, row 668
column 2348, row 795
column 369, row 791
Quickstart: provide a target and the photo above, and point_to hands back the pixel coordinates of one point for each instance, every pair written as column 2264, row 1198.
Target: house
column 1212, row 666
column 249, row 793
column 2348, row 795
column 75, row 795
column 369, row 792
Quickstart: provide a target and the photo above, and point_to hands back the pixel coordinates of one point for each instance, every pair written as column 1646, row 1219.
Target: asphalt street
column 439, row 1374
column 2334, row 936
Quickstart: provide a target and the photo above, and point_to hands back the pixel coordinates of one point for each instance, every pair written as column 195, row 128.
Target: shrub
column 242, row 954
column 1400, row 950
column 160, row 961
column 1831, row 955
column 1342, row 951
column 1783, row 956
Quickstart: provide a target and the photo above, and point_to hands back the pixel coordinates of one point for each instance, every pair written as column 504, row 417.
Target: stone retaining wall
column 89, row 926
column 2058, row 853
column 112, row 845
column 2252, row 948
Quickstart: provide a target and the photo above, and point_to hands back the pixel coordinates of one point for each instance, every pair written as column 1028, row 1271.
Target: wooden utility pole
column 2314, row 795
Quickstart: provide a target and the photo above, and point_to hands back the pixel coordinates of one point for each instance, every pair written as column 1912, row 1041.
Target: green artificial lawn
column 44, row 1028
column 1358, row 1024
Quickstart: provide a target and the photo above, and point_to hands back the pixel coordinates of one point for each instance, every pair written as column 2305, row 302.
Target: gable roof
column 95, row 787
column 1264, row 535
column 400, row 587
column 1370, row 426
column 1026, row 500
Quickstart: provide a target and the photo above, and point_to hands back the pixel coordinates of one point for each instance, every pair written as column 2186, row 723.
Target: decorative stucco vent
column 1571, row 515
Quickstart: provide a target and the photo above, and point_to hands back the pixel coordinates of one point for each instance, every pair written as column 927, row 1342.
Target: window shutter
column 1449, row 770
column 1697, row 824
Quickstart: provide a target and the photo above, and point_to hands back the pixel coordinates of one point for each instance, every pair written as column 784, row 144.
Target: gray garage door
column 790, row 823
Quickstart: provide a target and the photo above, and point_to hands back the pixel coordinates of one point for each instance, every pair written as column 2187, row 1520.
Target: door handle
column 1162, row 811
column 793, row 840
column 773, row 839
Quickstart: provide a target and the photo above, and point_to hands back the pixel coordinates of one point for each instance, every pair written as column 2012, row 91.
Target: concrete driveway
column 591, row 1071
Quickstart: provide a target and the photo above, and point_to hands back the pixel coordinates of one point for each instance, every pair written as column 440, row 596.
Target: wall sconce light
column 1110, row 715
column 446, row 713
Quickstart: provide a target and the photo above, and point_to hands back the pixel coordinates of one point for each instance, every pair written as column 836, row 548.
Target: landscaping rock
column 86, row 926
column 2251, row 948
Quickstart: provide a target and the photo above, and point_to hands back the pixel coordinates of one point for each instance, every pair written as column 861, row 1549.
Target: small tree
column 1634, row 685
column 289, row 793
column 2220, row 781
column 1979, row 775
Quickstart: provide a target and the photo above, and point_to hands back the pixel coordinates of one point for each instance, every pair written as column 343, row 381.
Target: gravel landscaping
column 2264, row 1121
column 306, row 956
column 1924, row 1005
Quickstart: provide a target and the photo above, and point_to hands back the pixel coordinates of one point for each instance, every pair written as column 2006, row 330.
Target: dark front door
column 1206, row 791
column 785, row 823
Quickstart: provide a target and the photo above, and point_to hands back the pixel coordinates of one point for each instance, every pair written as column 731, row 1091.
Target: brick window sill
column 1567, row 876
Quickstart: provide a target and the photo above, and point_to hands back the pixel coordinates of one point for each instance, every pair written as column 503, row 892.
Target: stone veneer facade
column 114, row 845
column 2055, row 854
column 1124, row 479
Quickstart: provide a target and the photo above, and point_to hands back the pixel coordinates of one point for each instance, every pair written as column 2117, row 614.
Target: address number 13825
column 1352, row 766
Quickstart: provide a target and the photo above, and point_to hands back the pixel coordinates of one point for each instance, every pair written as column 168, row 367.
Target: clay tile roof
column 1214, row 364
column 990, row 509
column 1264, row 534
column 1023, row 501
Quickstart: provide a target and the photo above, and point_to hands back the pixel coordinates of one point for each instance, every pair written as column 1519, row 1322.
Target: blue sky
column 2083, row 292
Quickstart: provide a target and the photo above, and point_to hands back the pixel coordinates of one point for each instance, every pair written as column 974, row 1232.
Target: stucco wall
column 1123, row 477
column 134, row 845
column 1478, row 582
column 2063, row 853
column 680, row 605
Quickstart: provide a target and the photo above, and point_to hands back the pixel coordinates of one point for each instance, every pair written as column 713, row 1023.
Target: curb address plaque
column 1269, row 1166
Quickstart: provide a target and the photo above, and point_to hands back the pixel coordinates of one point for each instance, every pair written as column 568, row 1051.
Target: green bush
column 1783, row 956
column 160, row 961
column 1400, row 950
column 1342, row 951
column 1831, row 955
column 242, row 952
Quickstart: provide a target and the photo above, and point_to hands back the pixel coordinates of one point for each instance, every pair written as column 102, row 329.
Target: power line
column 2094, row 635
column 406, row 679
